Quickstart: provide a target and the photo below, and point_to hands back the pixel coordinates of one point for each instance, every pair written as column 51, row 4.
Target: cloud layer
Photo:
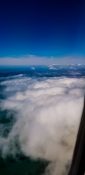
column 47, row 117
column 40, row 60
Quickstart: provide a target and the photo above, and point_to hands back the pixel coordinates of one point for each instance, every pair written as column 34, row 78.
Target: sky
column 36, row 31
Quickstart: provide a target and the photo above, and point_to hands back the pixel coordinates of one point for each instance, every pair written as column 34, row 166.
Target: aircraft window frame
column 78, row 160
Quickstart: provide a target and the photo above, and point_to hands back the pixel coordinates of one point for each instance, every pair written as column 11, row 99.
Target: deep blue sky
column 42, row 27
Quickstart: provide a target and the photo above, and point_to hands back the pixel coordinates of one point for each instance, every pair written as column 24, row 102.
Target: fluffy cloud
column 47, row 117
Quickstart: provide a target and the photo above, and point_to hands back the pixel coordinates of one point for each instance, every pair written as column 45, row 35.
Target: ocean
column 40, row 112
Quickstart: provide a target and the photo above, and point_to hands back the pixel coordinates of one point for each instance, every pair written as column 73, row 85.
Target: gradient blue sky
column 43, row 28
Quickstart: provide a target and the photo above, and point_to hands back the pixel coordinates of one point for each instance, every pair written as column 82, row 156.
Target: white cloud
column 47, row 118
